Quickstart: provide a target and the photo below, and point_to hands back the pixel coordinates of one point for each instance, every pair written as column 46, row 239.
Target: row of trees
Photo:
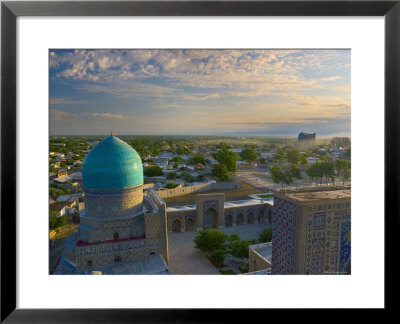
column 317, row 171
column 56, row 191
column 330, row 170
column 287, row 176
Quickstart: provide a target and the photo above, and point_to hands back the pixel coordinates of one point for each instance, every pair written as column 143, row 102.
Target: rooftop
column 321, row 194
column 227, row 204
column 264, row 250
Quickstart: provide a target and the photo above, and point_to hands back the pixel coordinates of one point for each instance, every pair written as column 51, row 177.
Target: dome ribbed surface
column 112, row 164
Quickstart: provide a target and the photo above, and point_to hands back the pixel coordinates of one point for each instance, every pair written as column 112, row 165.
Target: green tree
column 240, row 249
column 293, row 156
column 315, row 171
column 153, row 171
column 217, row 257
column 280, row 155
column 248, row 155
column 233, row 237
column 287, row 177
column 210, row 240
column 276, row 174
column 189, row 178
column 303, row 159
column 227, row 158
column 172, row 175
column 171, row 185
column 328, row 171
column 197, row 159
column 347, row 154
column 56, row 221
column 178, row 159
column 295, row 172
column 342, row 168
column 263, row 160
column 265, row 235
column 220, row 172
column 53, row 192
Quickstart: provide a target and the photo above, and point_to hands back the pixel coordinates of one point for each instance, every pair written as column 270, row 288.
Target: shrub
column 153, row 171
column 240, row 249
column 233, row 237
column 217, row 257
column 171, row 185
column 188, row 177
column 55, row 221
column 210, row 240
column 265, row 235
column 172, row 175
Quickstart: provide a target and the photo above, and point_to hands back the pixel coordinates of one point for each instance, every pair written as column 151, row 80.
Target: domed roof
column 112, row 164
column 302, row 136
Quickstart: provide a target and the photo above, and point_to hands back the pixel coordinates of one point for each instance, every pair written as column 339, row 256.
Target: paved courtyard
column 185, row 259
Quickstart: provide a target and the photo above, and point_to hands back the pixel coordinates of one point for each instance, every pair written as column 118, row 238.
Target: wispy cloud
column 197, row 89
column 65, row 101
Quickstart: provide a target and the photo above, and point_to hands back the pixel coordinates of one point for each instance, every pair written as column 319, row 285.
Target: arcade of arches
column 211, row 211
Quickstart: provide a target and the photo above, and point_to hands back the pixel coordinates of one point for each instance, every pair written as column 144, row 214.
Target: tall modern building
column 122, row 229
column 305, row 140
column 343, row 142
column 311, row 232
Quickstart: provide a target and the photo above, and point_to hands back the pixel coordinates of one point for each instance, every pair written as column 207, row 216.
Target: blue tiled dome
column 112, row 164
column 302, row 136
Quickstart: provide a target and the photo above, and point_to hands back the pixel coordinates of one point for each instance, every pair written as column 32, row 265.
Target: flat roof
column 263, row 249
column 181, row 208
column 318, row 195
column 227, row 204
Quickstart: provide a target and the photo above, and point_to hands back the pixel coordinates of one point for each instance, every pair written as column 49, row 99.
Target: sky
column 199, row 92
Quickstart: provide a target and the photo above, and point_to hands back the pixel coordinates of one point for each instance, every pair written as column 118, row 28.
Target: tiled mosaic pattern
column 345, row 245
column 319, row 233
column 107, row 205
column 283, row 236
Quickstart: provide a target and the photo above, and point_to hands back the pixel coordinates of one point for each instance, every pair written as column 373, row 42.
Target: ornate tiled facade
column 318, row 225
column 106, row 204
column 118, row 226
column 180, row 219
column 283, row 236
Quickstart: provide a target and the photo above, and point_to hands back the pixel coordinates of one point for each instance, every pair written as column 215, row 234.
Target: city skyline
column 200, row 92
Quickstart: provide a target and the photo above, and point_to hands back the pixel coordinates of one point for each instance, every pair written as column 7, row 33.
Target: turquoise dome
column 112, row 164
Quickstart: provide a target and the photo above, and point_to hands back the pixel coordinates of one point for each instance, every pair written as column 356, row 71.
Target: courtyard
column 184, row 258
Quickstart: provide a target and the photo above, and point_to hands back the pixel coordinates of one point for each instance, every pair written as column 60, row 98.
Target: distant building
column 305, row 140
column 162, row 163
column 311, row 232
column 343, row 142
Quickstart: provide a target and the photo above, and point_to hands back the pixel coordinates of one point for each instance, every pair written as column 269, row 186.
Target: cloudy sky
column 204, row 92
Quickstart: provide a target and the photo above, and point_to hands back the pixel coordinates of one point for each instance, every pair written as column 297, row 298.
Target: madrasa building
column 123, row 228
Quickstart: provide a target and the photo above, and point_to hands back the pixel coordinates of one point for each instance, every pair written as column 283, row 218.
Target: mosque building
column 123, row 228
column 311, row 231
column 305, row 140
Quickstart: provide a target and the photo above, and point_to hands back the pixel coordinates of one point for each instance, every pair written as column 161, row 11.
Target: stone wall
column 199, row 188
column 257, row 262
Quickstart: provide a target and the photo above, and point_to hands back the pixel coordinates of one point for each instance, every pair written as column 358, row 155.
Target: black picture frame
column 10, row 10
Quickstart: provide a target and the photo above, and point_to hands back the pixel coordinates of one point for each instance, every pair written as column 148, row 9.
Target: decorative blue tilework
column 345, row 245
column 319, row 220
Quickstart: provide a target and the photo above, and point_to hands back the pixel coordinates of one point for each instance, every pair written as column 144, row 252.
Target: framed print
column 187, row 76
